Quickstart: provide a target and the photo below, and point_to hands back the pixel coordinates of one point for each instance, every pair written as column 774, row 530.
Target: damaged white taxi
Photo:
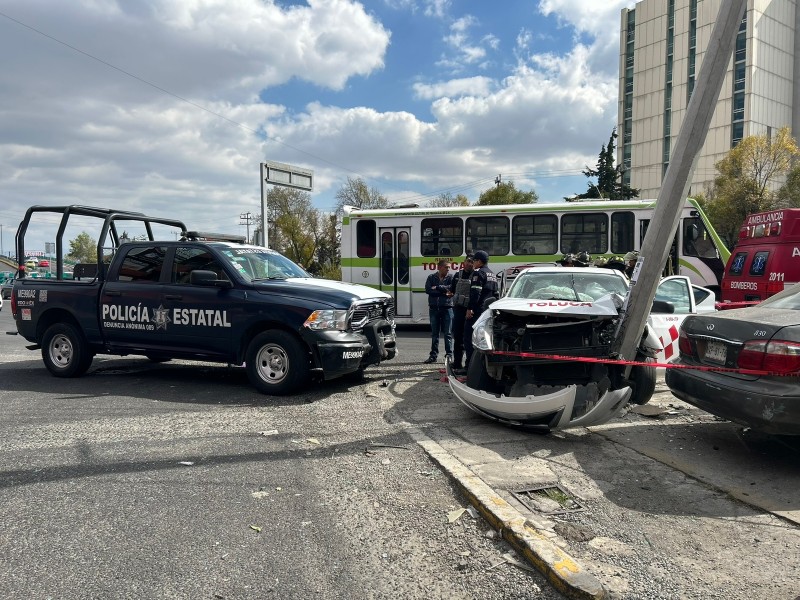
column 539, row 349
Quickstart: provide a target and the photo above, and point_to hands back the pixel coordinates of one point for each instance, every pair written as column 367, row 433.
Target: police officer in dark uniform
column 460, row 291
column 483, row 285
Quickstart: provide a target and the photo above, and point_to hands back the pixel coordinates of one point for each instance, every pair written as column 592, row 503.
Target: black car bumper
column 768, row 404
column 340, row 354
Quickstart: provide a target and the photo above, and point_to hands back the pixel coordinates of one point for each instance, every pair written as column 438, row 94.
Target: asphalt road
column 177, row 480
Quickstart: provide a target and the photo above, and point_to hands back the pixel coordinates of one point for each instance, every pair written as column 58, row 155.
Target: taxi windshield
column 259, row 264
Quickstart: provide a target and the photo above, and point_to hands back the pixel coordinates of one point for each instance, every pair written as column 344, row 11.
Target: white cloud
column 74, row 130
column 471, row 86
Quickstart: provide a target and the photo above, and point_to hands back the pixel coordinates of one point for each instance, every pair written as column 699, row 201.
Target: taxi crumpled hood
column 606, row 306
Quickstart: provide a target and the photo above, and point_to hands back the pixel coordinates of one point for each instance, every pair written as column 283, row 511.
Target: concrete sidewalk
column 557, row 498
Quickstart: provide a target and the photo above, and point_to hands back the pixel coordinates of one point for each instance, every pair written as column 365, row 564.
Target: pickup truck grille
column 371, row 310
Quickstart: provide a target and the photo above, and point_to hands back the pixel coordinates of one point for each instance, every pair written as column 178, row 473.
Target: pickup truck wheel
column 644, row 382
column 64, row 351
column 276, row 363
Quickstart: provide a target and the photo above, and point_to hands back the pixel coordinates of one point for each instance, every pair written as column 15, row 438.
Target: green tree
column 789, row 194
column 506, row 193
column 356, row 192
column 446, row 199
column 606, row 175
column 294, row 224
column 749, row 180
column 83, row 249
column 328, row 258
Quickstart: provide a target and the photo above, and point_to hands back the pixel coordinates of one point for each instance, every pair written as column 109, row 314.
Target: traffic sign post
column 281, row 174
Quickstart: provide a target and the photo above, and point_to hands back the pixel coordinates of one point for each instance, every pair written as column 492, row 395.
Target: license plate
column 716, row 352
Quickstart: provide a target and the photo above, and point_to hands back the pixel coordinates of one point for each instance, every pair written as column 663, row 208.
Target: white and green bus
column 395, row 249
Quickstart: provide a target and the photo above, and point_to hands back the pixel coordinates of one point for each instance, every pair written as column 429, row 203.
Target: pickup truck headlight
column 323, row 320
column 482, row 332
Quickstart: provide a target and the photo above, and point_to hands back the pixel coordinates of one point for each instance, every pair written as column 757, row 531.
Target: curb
column 561, row 570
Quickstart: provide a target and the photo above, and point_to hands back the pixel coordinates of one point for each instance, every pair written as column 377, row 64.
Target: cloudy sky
column 168, row 106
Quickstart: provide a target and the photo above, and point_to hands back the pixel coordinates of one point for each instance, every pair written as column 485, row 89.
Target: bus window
column 759, row 264
column 402, row 257
column 365, row 239
column 622, row 232
column 490, row 234
column 696, row 239
column 440, row 234
column 737, row 264
column 584, row 232
column 387, row 259
column 534, row 234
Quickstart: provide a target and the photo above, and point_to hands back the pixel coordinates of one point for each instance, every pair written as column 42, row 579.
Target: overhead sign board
column 288, row 175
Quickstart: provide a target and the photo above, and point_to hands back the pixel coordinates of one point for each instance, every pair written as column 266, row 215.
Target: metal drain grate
column 549, row 500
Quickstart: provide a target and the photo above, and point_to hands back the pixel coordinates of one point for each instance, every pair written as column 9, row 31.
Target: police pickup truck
column 204, row 297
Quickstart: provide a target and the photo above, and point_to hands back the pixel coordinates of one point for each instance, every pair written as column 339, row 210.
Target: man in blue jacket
column 440, row 310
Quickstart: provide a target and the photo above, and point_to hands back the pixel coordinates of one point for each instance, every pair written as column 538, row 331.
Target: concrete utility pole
column 246, row 219
column 657, row 242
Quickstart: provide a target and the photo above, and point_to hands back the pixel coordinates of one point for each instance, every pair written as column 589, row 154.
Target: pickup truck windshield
column 255, row 264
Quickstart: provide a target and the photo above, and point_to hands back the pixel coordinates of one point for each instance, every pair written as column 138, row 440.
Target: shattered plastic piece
column 465, row 553
column 512, row 560
column 278, row 489
column 188, row 463
column 269, row 432
column 386, row 461
column 255, row 528
column 472, row 512
column 649, row 410
column 312, row 441
column 455, row 515
column 259, row 494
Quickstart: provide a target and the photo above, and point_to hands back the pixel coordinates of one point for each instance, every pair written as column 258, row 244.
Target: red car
column 44, row 263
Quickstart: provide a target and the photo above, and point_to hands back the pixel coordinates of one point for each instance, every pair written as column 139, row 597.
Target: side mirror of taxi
column 663, row 307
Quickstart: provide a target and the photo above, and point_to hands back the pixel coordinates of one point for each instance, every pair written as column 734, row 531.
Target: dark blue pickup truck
column 203, row 297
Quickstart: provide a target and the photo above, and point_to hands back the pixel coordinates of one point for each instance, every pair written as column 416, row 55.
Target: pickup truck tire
column 276, row 363
column 644, row 382
column 64, row 351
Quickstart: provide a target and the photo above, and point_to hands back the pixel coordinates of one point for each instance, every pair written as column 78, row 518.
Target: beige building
column 662, row 44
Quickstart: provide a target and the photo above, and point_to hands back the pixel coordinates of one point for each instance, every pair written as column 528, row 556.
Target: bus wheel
column 276, row 363
column 65, row 352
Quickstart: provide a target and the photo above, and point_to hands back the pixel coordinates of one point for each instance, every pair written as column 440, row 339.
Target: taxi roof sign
column 287, row 175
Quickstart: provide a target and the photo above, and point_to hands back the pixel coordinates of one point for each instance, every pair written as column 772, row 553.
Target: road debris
column 455, row 515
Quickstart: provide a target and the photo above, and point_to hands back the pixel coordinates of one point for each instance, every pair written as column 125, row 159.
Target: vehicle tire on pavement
column 477, row 376
column 157, row 359
column 644, row 382
column 65, row 351
column 276, row 363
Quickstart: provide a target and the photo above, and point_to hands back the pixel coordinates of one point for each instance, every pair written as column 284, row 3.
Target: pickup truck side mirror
column 208, row 278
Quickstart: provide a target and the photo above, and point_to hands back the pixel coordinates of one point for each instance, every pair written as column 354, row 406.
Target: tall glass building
column 662, row 44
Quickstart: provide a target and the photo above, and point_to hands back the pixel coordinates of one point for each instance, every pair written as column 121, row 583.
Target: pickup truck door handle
column 173, row 297
column 113, row 293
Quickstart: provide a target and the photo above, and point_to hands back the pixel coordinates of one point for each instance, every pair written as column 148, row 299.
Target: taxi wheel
column 276, row 363
column 477, row 376
column 644, row 382
column 64, row 351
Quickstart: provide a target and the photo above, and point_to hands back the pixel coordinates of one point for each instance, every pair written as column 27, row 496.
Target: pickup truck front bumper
column 340, row 354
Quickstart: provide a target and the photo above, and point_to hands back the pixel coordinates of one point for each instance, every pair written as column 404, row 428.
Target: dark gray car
column 760, row 349
column 5, row 289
